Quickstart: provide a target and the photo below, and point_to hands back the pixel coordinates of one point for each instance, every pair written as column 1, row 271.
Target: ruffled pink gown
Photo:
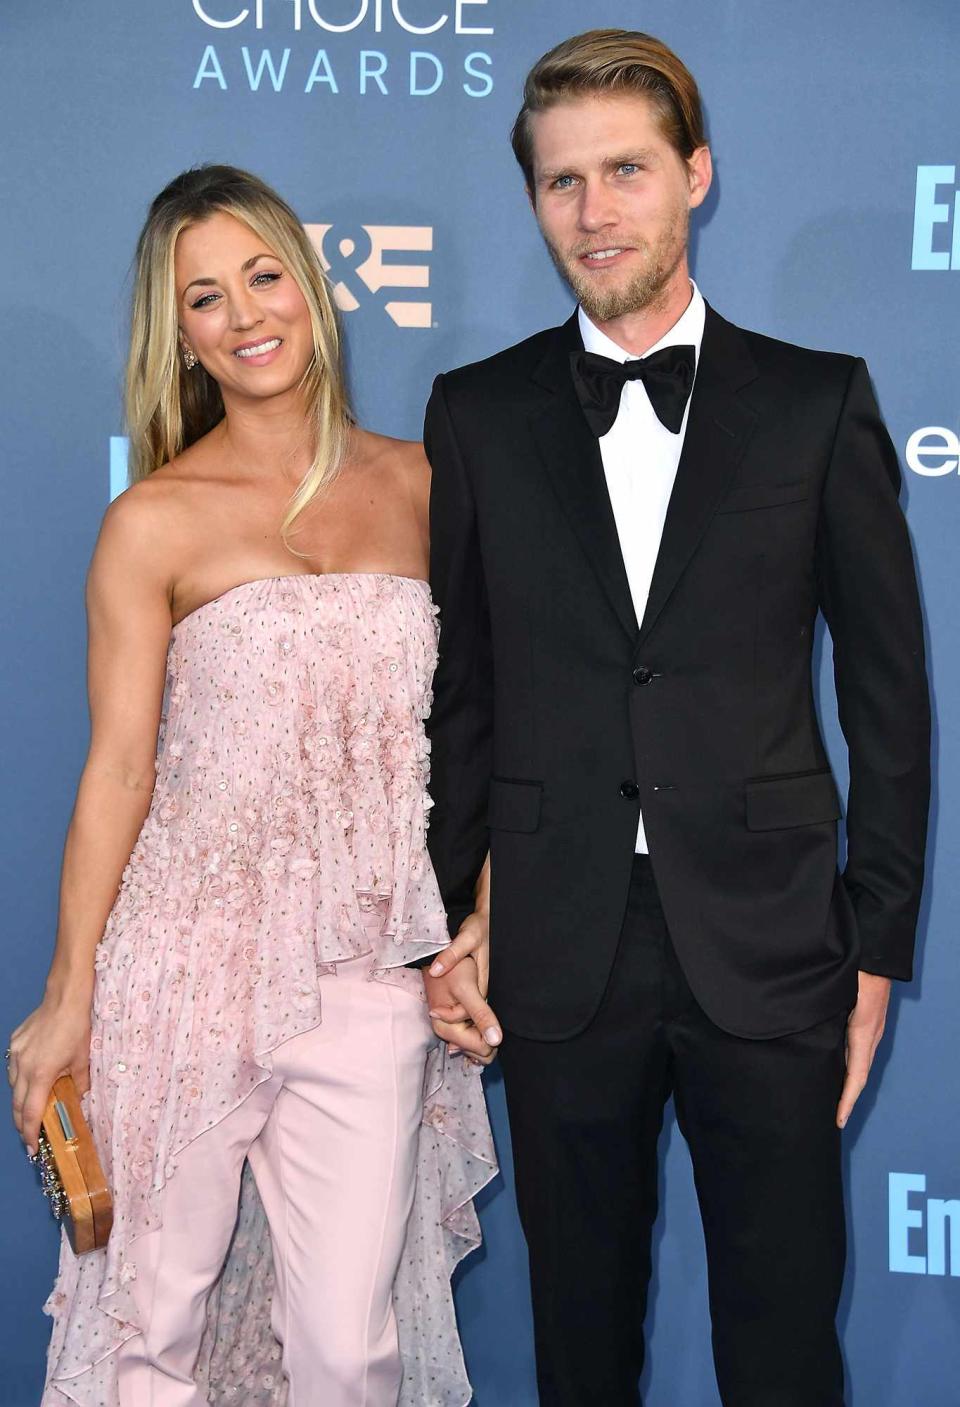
column 290, row 808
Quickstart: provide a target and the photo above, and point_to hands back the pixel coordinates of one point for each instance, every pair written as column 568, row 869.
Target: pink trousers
column 332, row 1141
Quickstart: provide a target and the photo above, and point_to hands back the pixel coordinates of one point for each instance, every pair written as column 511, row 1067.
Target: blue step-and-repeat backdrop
column 834, row 222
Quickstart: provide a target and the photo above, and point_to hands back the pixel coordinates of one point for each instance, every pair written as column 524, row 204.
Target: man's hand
column 475, row 1032
column 456, row 986
column 473, row 938
column 864, row 1029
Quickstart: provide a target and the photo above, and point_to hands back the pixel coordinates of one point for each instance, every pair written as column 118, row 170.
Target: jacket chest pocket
column 749, row 496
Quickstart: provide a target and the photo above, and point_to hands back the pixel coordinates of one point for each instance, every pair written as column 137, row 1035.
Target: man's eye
column 563, row 183
column 628, row 167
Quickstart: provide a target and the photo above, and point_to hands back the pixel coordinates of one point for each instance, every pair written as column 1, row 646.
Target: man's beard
column 644, row 289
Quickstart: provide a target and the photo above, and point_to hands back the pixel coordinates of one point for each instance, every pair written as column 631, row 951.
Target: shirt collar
column 687, row 330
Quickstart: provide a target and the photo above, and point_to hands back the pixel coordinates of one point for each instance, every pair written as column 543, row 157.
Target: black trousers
column 759, row 1120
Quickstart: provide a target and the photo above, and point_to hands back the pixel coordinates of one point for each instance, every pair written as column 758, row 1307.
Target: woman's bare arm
column 128, row 609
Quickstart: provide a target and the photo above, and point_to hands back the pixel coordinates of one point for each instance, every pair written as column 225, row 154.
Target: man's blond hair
column 613, row 61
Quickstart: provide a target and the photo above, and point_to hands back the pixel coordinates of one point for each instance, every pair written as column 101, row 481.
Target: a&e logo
column 935, row 246
column 362, row 266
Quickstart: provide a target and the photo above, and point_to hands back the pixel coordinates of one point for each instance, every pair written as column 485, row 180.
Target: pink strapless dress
column 289, row 815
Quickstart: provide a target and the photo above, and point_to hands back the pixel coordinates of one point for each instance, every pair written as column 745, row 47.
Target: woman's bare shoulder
column 138, row 517
column 402, row 459
column 165, row 506
column 148, row 531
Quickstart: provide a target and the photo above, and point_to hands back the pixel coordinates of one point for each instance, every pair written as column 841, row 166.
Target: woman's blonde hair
column 613, row 62
column 169, row 407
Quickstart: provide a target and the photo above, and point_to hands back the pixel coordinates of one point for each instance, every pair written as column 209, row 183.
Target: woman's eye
column 265, row 276
column 204, row 301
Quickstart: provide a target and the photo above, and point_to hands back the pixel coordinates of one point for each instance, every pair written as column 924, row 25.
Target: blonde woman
column 262, row 642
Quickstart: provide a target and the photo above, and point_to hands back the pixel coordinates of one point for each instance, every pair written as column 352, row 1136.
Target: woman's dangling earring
column 190, row 358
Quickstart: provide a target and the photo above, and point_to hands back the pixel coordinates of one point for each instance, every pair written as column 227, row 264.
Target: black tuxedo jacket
column 557, row 715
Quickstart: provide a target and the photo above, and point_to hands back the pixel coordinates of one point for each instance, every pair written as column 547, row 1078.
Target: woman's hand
column 53, row 1041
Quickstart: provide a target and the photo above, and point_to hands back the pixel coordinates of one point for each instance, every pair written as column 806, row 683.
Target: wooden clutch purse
column 70, row 1170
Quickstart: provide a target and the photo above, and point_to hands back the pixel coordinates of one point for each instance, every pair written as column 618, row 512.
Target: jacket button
column 629, row 790
column 642, row 675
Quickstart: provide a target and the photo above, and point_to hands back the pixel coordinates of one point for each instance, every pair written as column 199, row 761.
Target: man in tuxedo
column 636, row 518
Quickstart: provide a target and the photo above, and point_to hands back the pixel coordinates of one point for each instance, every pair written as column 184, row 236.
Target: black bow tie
column 667, row 376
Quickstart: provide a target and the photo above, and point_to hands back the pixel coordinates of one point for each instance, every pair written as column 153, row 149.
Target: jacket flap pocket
column 747, row 496
column 514, row 805
column 774, row 803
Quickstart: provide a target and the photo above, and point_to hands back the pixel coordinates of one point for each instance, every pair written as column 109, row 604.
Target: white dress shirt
column 640, row 458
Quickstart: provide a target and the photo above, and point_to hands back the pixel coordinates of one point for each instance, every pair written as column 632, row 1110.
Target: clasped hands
column 456, row 987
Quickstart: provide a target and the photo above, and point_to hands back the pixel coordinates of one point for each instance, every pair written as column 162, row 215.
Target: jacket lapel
column 718, row 428
column 571, row 457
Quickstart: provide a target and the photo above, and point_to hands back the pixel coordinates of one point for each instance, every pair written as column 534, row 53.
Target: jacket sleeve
column 460, row 726
column 868, row 594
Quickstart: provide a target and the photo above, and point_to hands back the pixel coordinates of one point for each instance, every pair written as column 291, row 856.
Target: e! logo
column 356, row 258
column 933, row 451
column 929, row 213
column 935, row 1222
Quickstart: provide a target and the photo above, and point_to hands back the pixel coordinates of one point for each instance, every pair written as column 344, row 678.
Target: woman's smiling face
column 240, row 310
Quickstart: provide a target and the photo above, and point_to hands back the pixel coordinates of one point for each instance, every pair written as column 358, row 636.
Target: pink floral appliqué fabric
column 289, row 814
